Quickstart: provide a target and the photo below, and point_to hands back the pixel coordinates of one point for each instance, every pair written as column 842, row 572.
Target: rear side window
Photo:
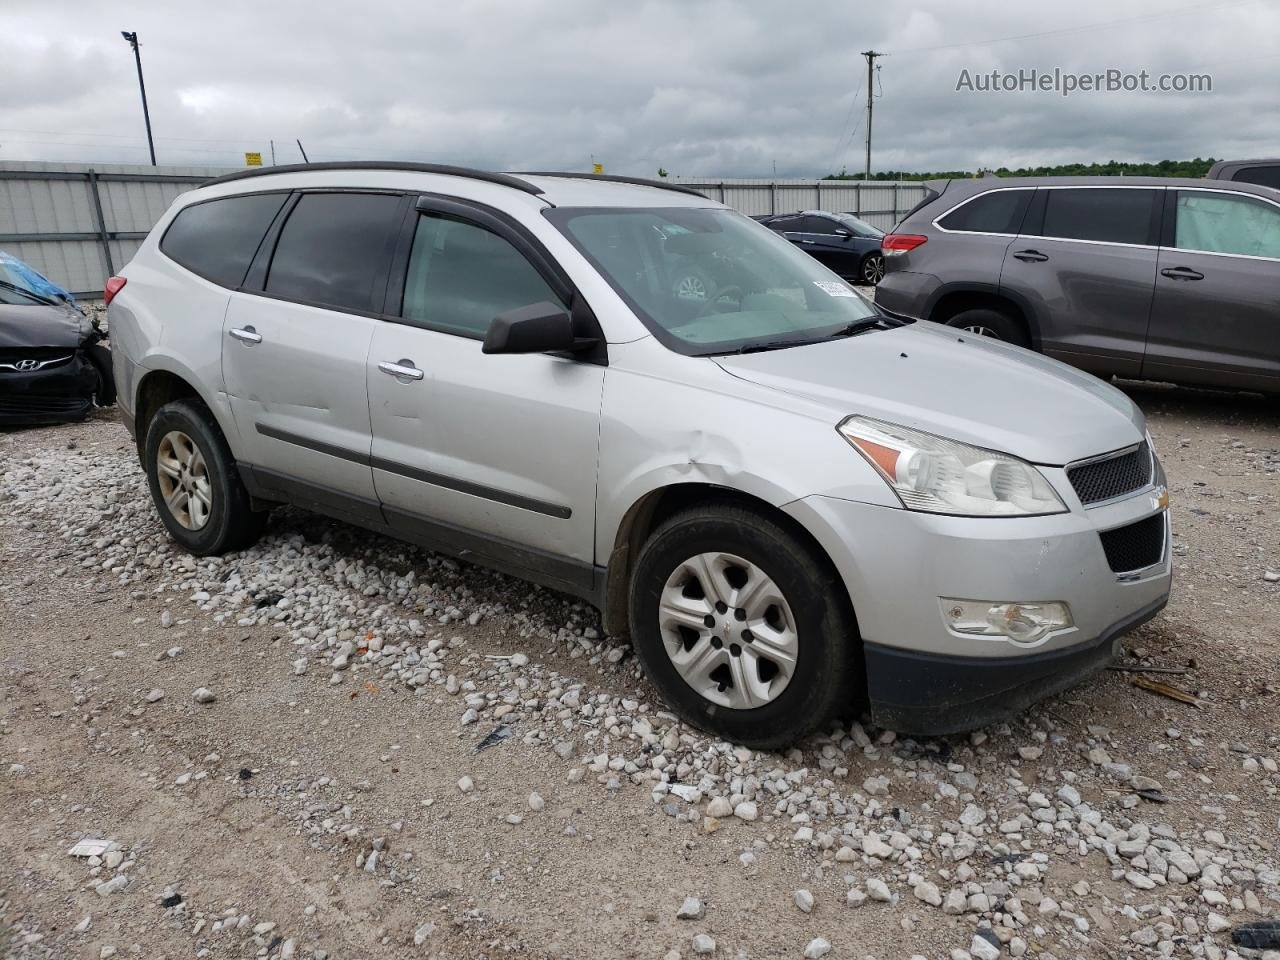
column 1105, row 214
column 1268, row 176
column 334, row 249
column 1222, row 223
column 998, row 212
column 218, row 238
column 461, row 276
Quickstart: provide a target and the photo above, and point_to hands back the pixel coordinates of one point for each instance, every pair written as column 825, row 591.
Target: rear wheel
column 873, row 268
column 743, row 627
column 194, row 482
column 986, row 322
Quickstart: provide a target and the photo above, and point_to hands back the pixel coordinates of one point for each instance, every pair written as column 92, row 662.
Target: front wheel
column 194, row 482
column 743, row 627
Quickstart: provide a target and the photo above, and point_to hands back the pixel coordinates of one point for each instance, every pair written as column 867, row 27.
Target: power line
column 1081, row 28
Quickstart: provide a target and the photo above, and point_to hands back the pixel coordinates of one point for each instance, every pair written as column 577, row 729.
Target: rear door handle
column 1181, row 273
column 402, row 369
column 1030, row 256
column 246, row 334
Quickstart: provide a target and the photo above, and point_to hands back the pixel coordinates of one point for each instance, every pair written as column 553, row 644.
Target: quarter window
column 1000, row 211
column 461, row 276
column 1268, row 176
column 334, row 249
column 1222, row 223
column 218, row 238
column 1105, row 215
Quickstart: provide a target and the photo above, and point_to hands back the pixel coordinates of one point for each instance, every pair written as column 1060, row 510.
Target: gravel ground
column 335, row 745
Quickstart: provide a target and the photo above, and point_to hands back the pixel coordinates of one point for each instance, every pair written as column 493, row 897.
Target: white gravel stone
column 536, row 803
column 804, row 900
column 704, row 944
column 746, row 810
column 203, row 695
column 691, row 909
column 466, row 784
column 815, row 948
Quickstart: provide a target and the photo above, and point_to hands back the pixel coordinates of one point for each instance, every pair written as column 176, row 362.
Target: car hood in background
column 956, row 385
column 42, row 326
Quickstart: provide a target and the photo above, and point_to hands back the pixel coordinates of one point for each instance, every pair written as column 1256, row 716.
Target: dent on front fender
column 721, row 431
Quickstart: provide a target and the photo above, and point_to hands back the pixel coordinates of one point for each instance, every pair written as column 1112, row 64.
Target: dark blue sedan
column 841, row 241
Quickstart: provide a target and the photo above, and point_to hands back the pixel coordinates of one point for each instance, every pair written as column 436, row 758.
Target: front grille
column 1114, row 477
column 1135, row 546
column 35, row 405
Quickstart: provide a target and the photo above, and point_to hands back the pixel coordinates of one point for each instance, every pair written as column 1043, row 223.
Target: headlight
column 937, row 475
column 1020, row 622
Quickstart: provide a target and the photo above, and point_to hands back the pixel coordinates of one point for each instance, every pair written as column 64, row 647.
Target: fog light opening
column 1022, row 622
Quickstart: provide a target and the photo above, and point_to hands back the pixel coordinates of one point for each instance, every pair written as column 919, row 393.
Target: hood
column 956, row 385
column 42, row 326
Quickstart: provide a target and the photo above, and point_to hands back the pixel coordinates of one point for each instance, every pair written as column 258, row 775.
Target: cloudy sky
column 699, row 87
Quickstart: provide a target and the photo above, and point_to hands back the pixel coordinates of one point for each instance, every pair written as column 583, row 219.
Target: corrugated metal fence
column 879, row 202
column 78, row 223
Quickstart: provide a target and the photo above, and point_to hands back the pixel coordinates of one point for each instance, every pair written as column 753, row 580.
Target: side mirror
column 843, row 234
column 536, row 328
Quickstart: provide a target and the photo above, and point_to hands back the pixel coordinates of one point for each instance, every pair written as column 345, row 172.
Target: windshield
column 22, row 286
column 711, row 280
column 860, row 228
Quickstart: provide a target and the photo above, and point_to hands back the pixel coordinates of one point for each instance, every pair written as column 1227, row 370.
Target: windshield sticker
column 833, row 289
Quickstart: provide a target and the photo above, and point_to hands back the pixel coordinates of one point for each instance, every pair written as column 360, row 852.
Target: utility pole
column 871, row 62
column 131, row 37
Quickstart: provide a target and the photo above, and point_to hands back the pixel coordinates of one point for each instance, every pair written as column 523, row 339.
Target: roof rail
column 503, row 179
column 610, row 178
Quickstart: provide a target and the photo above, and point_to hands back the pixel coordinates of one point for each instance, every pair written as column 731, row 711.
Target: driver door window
column 461, row 276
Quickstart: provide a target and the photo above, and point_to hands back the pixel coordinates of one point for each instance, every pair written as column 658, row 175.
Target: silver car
column 795, row 507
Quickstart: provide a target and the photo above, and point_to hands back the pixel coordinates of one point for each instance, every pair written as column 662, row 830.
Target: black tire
column 868, row 272
column 989, row 322
column 827, row 679
column 232, row 524
column 100, row 357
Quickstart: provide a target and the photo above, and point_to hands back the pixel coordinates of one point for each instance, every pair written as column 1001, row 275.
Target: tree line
column 1112, row 168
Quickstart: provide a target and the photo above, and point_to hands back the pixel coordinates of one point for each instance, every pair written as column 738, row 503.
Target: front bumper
column 55, row 394
column 934, row 694
column 897, row 564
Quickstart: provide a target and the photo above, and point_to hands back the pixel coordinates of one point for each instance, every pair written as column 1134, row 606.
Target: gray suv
column 792, row 504
column 1157, row 279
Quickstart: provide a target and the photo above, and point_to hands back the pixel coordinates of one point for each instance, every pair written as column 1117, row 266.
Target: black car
column 849, row 246
column 54, row 365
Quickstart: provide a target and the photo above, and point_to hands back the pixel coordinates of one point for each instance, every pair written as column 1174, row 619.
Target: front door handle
column 246, row 334
column 402, row 369
column 1181, row 273
column 1030, row 256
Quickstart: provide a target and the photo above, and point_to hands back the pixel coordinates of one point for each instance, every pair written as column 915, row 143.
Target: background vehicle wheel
column 872, row 268
column 100, row 357
column 744, row 629
column 986, row 322
column 194, row 483
column 693, row 285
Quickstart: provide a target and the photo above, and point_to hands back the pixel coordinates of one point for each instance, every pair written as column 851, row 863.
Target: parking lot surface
column 334, row 744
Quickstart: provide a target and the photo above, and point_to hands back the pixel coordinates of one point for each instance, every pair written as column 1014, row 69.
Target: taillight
column 114, row 286
column 901, row 242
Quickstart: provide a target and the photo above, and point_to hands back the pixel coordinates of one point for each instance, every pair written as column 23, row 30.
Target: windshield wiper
column 865, row 323
column 27, row 293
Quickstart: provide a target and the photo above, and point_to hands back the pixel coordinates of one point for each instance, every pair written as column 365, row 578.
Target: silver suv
column 1155, row 279
column 794, row 506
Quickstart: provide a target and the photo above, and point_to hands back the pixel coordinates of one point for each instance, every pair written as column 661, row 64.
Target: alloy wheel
column 184, row 480
column 873, row 269
column 691, row 287
column 728, row 630
column 982, row 331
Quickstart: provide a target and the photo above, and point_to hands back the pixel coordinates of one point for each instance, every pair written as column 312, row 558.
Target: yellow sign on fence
column 597, row 168
column 252, row 159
